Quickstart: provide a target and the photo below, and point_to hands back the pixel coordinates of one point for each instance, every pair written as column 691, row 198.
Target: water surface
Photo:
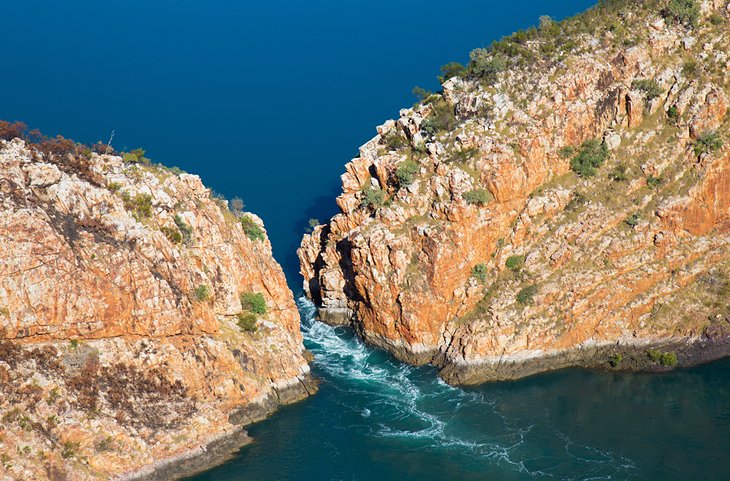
column 267, row 100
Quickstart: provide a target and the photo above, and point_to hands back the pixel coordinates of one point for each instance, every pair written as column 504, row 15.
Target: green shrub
column 479, row 272
column 477, row 197
column 526, row 295
column 185, row 230
column 406, row 172
column 442, row 118
column 566, row 152
column 619, row 173
column 707, row 142
column 252, row 229
column 673, row 115
column 172, row 234
column 515, row 263
column 633, row 220
column 716, row 19
column 69, row 449
column 689, row 68
column 686, row 12
column 486, row 65
column 668, row 359
column 201, row 293
column 653, row 182
column 422, row 94
column 114, row 186
column 650, row 88
column 450, row 70
column 253, row 302
column 246, row 321
column 395, row 141
column 373, row 198
column 616, row 360
column 140, row 205
column 311, row 224
column 591, row 155
column 136, row 156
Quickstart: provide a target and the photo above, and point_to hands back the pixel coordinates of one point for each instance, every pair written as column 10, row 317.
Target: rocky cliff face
column 125, row 350
column 475, row 235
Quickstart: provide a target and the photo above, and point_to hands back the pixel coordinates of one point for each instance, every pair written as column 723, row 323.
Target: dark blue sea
column 268, row 100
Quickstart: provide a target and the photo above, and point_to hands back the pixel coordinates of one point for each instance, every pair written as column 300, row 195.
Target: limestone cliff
column 125, row 349
column 564, row 201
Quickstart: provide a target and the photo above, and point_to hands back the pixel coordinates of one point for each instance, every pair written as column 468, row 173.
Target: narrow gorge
column 143, row 323
column 564, row 201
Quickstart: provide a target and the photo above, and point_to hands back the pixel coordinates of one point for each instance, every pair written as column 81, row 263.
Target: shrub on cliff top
column 485, row 65
column 252, row 229
column 477, row 197
column 406, row 173
column 707, row 142
column 591, row 155
column 450, row 70
column 442, row 118
column 686, row 12
column 136, row 156
column 253, row 302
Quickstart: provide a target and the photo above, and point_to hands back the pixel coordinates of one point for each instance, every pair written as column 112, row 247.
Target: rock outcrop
column 125, row 350
column 573, row 210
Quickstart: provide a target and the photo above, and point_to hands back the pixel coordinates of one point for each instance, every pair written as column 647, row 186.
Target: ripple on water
column 412, row 404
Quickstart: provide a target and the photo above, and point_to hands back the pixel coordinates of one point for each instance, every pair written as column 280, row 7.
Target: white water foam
column 395, row 395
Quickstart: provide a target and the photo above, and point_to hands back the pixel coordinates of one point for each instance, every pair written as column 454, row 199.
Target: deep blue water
column 267, row 101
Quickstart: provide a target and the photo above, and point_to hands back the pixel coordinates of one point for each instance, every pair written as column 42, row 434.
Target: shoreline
column 690, row 351
column 222, row 447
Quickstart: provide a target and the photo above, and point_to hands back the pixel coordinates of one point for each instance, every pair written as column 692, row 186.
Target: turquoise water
column 377, row 419
column 268, row 100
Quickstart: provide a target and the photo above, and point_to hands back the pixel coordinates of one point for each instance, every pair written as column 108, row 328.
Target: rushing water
column 377, row 419
column 267, row 100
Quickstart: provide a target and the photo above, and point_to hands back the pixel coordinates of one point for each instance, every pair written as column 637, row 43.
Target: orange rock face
column 119, row 294
column 602, row 258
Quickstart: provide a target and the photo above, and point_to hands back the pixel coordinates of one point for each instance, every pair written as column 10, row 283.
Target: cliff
column 565, row 200
column 141, row 322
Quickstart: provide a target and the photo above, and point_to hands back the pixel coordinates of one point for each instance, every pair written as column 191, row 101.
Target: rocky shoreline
column 223, row 447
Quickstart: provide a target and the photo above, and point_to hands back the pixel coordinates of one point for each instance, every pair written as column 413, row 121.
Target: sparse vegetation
column 311, row 224
column 668, row 359
column 136, row 156
column 591, row 155
column 653, row 182
column 246, row 321
column 172, row 233
column 442, row 118
column 373, row 197
column 515, row 263
column 185, row 230
column 619, row 173
column 526, row 295
column 406, row 173
column 686, row 12
column 252, row 229
column 479, row 197
column 633, row 220
column 707, row 142
column 616, row 360
column 201, row 293
column 479, row 272
column 140, row 205
column 395, row 141
column 253, row 302
column 673, row 115
column 650, row 88
column 486, row 65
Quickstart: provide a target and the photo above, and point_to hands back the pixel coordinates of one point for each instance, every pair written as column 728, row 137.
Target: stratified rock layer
column 120, row 353
column 605, row 269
